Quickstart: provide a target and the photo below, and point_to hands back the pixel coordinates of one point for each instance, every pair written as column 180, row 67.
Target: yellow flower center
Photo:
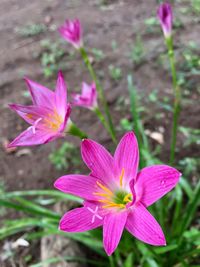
column 118, row 199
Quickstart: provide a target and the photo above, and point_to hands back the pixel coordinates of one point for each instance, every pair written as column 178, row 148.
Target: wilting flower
column 71, row 31
column 116, row 194
column 165, row 16
column 48, row 116
column 88, row 97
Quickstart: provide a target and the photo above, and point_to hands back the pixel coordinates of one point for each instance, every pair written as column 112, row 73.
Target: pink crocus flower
column 165, row 16
column 88, row 97
column 48, row 116
column 71, row 32
column 117, row 195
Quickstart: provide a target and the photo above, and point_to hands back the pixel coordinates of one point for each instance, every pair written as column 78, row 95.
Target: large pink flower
column 116, row 195
column 165, row 17
column 48, row 116
column 88, row 97
column 71, row 32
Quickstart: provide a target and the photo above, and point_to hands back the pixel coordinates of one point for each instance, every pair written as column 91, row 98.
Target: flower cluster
column 116, row 195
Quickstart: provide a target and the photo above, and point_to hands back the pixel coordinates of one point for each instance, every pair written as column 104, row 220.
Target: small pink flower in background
column 88, row 97
column 116, row 195
column 165, row 16
column 48, row 116
column 71, row 32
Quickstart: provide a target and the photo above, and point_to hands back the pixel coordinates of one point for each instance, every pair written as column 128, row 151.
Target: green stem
column 177, row 98
column 104, row 122
column 111, row 260
column 100, row 92
column 138, row 127
column 74, row 130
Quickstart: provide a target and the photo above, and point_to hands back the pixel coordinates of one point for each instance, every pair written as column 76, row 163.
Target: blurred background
column 122, row 37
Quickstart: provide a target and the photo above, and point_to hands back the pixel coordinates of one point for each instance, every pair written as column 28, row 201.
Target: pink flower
column 165, row 16
column 88, row 97
column 48, row 116
column 71, row 31
column 117, row 195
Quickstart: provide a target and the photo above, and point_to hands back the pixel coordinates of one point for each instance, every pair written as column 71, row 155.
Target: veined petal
column 29, row 113
column 98, row 160
column 154, row 182
column 80, row 220
column 127, row 156
column 41, row 96
column 66, row 119
column 61, row 95
column 113, row 227
column 141, row 224
column 31, row 137
column 80, row 185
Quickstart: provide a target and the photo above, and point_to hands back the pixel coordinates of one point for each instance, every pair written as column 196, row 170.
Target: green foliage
column 126, row 125
column 64, row 157
column 51, row 57
column 195, row 6
column 137, row 51
column 31, row 30
column 98, row 54
column 115, row 73
column 192, row 135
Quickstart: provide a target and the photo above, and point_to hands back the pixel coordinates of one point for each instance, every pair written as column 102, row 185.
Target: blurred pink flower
column 71, row 32
column 48, row 116
column 116, row 194
column 88, row 97
column 165, row 16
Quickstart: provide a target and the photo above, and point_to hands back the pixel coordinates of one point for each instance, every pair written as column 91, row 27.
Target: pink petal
column 80, row 185
column 41, row 95
column 66, row 119
column 154, row 182
column 61, row 95
column 29, row 138
column 29, row 113
column 113, row 227
column 98, row 160
column 127, row 156
column 80, row 220
column 141, row 224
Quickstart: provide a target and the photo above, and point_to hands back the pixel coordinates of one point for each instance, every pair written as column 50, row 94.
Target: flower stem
column 104, row 122
column 100, row 91
column 177, row 98
column 74, row 130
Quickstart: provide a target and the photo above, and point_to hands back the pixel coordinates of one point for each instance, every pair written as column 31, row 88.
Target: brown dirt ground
column 119, row 21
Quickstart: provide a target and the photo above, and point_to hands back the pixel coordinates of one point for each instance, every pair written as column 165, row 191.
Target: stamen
column 101, row 194
column 127, row 198
column 121, row 177
column 114, row 205
column 105, row 188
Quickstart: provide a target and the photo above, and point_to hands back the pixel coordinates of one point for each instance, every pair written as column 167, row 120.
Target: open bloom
column 88, row 97
column 48, row 116
column 116, row 194
column 71, row 32
column 165, row 16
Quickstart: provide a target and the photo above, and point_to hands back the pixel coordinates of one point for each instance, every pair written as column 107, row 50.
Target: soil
column 118, row 21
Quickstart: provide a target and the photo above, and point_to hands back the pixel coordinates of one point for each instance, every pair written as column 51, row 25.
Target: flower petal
column 113, row 227
column 141, row 224
column 98, row 160
column 29, row 113
column 80, row 185
column 154, row 182
column 30, row 138
column 61, row 95
column 80, row 220
column 127, row 156
column 41, row 96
